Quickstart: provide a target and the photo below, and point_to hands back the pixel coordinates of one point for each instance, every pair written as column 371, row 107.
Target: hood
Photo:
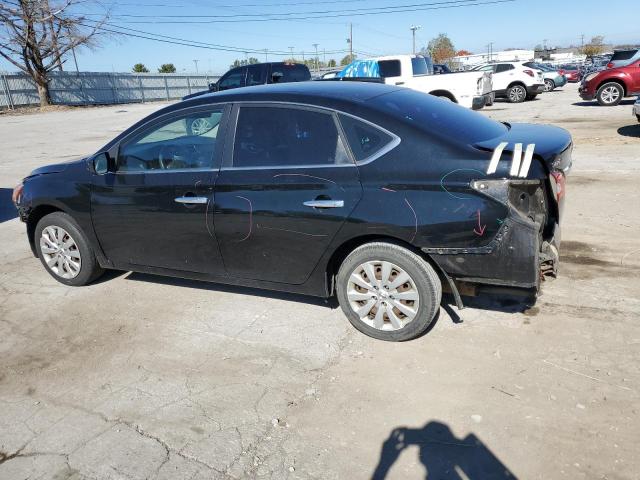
column 54, row 168
column 550, row 143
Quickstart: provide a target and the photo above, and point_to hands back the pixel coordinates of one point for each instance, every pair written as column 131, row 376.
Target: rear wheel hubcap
column 60, row 252
column 610, row 94
column 383, row 295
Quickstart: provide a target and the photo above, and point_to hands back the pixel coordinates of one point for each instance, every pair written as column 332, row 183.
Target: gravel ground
column 145, row 377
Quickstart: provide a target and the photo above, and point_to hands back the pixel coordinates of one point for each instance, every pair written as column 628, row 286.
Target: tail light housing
column 16, row 195
column 558, row 184
column 610, row 65
column 561, row 72
column 530, row 73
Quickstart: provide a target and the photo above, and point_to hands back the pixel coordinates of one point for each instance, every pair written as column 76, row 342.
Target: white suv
column 514, row 81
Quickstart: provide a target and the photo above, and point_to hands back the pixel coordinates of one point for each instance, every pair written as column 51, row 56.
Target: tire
column 516, row 93
column 549, row 85
column 198, row 126
column 81, row 266
column 610, row 94
column 381, row 318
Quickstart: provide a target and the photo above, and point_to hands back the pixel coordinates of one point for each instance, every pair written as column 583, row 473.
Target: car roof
column 317, row 92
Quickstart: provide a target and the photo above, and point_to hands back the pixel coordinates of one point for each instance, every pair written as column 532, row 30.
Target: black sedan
column 377, row 194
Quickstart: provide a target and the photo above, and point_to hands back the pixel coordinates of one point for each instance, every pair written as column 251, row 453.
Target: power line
column 434, row 6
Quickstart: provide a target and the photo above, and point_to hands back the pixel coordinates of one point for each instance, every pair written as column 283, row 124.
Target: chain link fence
column 100, row 88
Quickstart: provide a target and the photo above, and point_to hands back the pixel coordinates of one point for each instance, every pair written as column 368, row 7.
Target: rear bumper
column 515, row 258
column 535, row 89
column 560, row 81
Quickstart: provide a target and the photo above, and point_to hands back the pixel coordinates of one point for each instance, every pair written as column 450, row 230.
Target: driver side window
column 181, row 142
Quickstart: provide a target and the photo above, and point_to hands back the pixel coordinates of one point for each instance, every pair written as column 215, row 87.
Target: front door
column 155, row 207
column 283, row 192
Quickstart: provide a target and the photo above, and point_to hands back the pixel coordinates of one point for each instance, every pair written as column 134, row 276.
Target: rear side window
column 389, row 68
column 419, row 66
column 623, row 55
column 364, row 139
column 285, row 73
column 256, row 74
column 287, row 137
column 504, row 67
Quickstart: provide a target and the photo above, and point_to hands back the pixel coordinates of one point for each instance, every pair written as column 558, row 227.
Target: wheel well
column 444, row 93
column 550, row 80
column 350, row 245
column 513, row 84
column 32, row 220
column 624, row 87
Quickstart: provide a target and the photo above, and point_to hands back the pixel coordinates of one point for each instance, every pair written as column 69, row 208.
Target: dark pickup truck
column 258, row 74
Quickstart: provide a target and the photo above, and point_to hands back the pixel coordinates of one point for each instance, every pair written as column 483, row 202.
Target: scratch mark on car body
column 415, row 217
column 206, row 218
column 481, row 227
column 292, row 231
column 388, row 189
column 308, row 176
column 454, row 171
column 250, row 218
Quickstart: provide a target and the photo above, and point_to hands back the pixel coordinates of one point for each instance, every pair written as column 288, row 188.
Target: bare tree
column 35, row 36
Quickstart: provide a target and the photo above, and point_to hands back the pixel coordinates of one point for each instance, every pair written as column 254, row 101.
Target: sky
column 225, row 23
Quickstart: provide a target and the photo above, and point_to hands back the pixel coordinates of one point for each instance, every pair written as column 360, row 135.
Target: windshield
column 438, row 116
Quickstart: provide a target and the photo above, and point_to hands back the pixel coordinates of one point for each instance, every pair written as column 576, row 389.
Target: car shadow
column 594, row 103
column 630, row 131
column 7, row 208
column 331, row 303
column 443, row 455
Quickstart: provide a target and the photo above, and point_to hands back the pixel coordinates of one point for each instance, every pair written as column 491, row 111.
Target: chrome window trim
column 396, row 140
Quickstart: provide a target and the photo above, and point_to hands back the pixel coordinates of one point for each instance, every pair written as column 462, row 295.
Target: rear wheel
column 610, row 94
column 516, row 94
column 549, row 85
column 388, row 292
column 65, row 251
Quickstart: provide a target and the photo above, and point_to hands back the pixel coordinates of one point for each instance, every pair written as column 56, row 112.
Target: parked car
column 514, row 81
column 552, row 77
column 636, row 109
column 329, row 75
column 469, row 89
column 610, row 86
column 571, row 72
column 374, row 193
column 258, row 74
column 622, row 58
column 440, row 68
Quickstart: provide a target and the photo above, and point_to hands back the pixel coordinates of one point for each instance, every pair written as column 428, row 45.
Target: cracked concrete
column 140, row 377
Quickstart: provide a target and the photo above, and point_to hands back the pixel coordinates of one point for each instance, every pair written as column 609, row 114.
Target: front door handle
column 324, row 203
column 192, row 200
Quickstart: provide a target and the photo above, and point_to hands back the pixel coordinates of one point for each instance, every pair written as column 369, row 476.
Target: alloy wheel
column 548, row 85
column 383, row 295
column 610, row 95
column 517, row 94
column 200, row 126
column 60, row 252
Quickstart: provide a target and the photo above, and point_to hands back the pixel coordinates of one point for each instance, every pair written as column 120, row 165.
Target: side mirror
column 101, row 163
column 213, row 87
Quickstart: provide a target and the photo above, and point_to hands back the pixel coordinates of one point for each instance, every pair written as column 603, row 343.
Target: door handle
column 324, row 203
column 192, row 200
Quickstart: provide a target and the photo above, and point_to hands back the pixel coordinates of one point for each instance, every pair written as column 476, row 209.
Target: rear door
column 287, row 185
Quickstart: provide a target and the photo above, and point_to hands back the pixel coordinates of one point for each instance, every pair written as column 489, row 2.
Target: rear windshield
column 286, row 72
column 438, row 116
column 624, row 54
column 389, row 68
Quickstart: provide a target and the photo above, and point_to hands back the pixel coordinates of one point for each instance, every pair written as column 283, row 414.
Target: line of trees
column 164, row 68
column 309, row 62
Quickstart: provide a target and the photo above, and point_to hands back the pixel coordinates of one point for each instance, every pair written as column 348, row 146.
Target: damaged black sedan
column 379, row 195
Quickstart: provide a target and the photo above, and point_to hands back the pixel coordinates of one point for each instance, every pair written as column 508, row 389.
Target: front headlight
column 591, row 76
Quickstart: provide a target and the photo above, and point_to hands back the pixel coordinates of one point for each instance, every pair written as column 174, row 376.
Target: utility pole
column 266, row 54
column 246, row 58
column 413, row 29
column 324, row 56
column 490, row 51
column 317, row 66
column 196, row 64
column 291, row 49
column 582, row 41
column 350, row 42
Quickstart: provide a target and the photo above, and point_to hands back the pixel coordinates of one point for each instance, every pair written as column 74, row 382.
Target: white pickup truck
column 469, row 89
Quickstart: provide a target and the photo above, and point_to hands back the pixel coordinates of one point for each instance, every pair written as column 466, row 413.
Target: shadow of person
column 444, row 456
column 630, row 131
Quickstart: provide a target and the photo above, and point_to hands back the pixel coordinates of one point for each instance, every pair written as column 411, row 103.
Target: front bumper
column 584, row 93
column 480, row 101
column 535, row 89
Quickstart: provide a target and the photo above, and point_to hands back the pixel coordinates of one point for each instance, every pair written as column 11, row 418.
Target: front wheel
column 516, row 94
column 65, row 251
column 610, row 94
column 388, row 292
column 549, row 85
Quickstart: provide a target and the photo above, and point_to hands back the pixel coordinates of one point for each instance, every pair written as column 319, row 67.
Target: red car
column 571, row 72
column 610, row 86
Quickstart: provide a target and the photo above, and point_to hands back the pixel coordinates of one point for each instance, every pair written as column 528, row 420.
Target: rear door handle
column 192, row 200
column 324, row 203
